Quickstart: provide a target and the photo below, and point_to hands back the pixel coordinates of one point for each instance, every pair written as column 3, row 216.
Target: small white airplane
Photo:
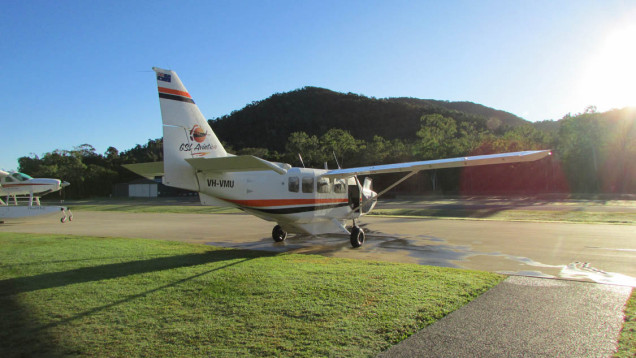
column 14, row 184
column 299, row 200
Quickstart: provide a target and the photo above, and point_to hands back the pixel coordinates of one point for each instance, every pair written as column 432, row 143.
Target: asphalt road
column 592, row 252
column 526, row 317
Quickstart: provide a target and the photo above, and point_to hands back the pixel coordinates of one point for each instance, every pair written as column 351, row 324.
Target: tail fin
column 186, row 133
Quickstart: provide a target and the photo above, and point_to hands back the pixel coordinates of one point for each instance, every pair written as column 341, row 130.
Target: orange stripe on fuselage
column 284, row 202
column 172, row 91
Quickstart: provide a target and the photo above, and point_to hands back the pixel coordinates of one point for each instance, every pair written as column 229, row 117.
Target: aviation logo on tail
column 197, row 134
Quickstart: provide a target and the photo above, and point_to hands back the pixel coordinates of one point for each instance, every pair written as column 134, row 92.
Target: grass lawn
column 65, row 296
column 627, row 341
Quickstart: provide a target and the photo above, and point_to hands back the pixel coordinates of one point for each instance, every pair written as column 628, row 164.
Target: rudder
column 186, row 133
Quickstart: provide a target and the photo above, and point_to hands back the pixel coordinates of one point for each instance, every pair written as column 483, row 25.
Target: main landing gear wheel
column 357, row 237
column 278, row 234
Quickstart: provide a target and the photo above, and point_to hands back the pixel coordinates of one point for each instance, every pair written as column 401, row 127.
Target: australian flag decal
column 163, row 77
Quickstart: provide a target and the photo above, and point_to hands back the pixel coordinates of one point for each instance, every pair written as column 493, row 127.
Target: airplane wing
column 239, row 163
column 413, row 167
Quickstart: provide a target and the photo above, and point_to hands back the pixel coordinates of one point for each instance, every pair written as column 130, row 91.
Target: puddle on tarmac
column 428, row 254
column 433, row 251
column 431, row 254
column 583, row 270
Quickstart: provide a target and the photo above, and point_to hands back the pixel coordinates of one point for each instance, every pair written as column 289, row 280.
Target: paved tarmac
column 526, row 317
column 593, row 252
column 619, row 204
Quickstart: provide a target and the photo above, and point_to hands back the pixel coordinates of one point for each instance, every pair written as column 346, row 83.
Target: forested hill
column 592, row 152
column 508, row 120
column 268, row 123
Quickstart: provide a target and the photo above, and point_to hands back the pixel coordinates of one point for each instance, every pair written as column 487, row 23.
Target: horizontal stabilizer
column 502, row 158
column 241, row 163
column 147, row 170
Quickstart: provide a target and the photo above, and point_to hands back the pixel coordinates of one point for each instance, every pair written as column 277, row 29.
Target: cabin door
column 354, row 195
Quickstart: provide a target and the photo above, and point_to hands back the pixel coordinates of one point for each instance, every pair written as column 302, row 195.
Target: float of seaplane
column 299, row 200
column 22, row 194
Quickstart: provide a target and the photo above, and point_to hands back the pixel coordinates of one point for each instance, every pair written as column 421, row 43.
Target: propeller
column 368, row 198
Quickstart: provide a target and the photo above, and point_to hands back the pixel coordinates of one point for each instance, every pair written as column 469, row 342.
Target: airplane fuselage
column 13, row 184
column 300, row 200
column 35, row 186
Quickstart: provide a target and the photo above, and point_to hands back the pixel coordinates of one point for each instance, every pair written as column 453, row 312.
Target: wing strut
column 376, row 196
column 398, row 182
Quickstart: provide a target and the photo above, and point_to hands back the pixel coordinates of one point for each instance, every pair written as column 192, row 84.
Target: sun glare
column 610, row 75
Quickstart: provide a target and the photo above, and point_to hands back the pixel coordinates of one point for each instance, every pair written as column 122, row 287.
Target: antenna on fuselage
column 301, row 160
column 336, row 158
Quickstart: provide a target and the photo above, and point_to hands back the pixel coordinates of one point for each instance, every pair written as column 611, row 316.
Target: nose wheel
column 357, row 237
column 278, row 234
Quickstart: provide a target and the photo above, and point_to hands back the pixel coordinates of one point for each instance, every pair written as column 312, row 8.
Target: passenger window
column 308, row 185
column 339, row 187
column 8, row 179
column 21, row 177
column 323, row 186
column 294, row 184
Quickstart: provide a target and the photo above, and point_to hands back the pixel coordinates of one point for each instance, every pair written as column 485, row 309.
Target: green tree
column 342, row 143
column 441, row 137
column 305, row 145
column 580, row 139
column 261, row 153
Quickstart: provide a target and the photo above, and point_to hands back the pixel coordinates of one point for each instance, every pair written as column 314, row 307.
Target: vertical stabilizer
column 186, row 133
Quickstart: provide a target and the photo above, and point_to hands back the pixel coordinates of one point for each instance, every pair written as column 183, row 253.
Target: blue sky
column 78, row 72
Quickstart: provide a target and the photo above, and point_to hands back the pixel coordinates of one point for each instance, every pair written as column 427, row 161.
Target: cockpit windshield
column 20, row 176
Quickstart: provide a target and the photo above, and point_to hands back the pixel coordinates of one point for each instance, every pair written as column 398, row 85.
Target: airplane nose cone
column 65, row 184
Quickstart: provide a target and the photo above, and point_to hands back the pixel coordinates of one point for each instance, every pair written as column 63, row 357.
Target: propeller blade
column 367, row 183
column 367, row 196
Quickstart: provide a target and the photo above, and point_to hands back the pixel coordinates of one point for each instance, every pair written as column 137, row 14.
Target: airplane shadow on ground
column 19, row 329
column 104, row 272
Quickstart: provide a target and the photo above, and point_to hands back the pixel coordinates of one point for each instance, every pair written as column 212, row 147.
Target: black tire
column 357, row 237
column 278, row 234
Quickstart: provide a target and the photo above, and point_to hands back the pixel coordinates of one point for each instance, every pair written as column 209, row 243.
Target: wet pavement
column 591, row 252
